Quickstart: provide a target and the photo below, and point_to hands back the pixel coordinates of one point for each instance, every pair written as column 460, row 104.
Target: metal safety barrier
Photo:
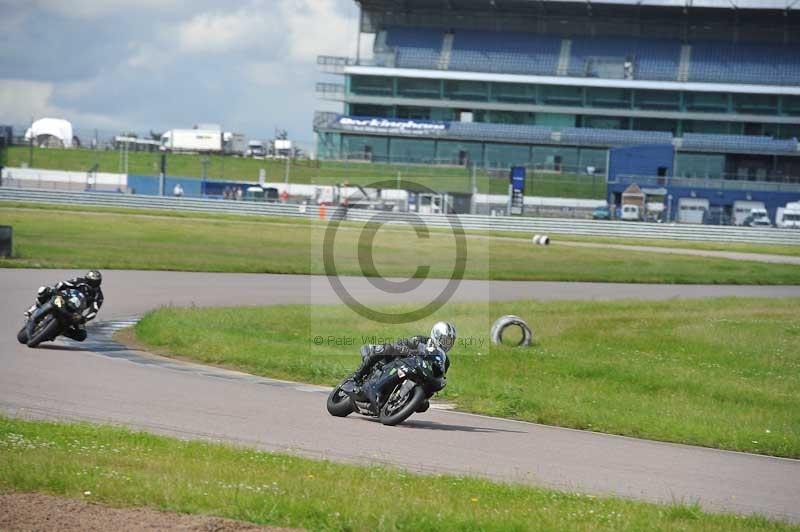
column 617, row 229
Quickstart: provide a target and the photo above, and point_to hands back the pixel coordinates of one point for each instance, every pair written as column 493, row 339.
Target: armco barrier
column 550, row 226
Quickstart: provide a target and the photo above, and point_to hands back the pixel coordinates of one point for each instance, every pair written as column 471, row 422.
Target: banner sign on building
column 396, row 126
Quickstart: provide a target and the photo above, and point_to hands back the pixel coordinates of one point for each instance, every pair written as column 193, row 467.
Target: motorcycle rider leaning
column 89, row 284
column 443, row 336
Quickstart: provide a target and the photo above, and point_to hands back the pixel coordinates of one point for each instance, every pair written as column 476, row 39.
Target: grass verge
column 123, row 468
column 769, row 249
column 721, row 373
column 61, row 238
column 436, row 177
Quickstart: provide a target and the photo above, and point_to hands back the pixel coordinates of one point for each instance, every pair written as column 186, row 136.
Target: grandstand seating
column 699, row 141
column 652, row 59
column 613, row 137
column 501, row 132
column 416, row 47
column 744, row 63
column 511, row 53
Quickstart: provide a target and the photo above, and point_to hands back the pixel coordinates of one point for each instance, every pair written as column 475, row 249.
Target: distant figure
column 239, row 194
column 284, row 196
column 226, row 193
column 178, row 190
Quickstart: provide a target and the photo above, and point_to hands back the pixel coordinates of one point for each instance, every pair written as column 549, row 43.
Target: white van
column 631, row 213
column 742, row 209
column 788, row 217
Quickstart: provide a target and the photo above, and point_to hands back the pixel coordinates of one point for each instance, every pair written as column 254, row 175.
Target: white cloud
column 90, row 9
column 267, row 73
column 22, row 100
column 219, row 32
column 317, row 27
column 301, row 29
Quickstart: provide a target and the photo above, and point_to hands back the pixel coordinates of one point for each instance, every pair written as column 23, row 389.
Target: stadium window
column 791, row 105
column 466, row 90
column 412, row 150
column 513, row 93
column 413, row 113
column 666, row 100
column 418, row 88
column 706, row 126
column 358, row 109
column 506, row 155
column 606, row 122
column 707, row 101
column 755, row 103
column 608, row 97
column 557, row 95
column 371, row 85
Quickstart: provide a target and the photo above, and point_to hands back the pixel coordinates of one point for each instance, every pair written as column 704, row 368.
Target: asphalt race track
column 101, row 382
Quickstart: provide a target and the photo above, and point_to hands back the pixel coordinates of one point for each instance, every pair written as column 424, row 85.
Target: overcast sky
column 160, row 64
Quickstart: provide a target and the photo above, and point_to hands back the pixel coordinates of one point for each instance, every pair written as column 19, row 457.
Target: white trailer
column 788, row 217
column 234, row 143
column 692, row 210
column 194, row 140
column 743, row 209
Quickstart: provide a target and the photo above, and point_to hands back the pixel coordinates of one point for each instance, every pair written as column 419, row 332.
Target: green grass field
column 440, row 178
column 122, row 468
column 59, row 238
column 721, row 373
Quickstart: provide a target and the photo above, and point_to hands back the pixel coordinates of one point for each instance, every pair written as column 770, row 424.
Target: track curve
column 143, row 391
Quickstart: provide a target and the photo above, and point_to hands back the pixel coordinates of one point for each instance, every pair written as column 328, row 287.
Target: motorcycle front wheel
column 339, row 403
column 22, row 335
column 399, row 407
column 45, row 330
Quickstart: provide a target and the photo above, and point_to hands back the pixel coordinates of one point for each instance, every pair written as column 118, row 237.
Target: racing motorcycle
column 409, row 383
column 64, row 309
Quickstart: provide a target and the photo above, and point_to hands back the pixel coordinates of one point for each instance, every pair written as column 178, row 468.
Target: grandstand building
column 555, row 84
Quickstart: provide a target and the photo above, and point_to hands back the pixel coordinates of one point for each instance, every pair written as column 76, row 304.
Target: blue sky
column 160, row 64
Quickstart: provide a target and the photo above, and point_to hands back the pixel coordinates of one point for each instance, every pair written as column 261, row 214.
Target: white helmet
column 443, row 335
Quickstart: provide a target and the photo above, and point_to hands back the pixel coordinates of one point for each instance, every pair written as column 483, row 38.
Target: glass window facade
column 461, row 153
column 367, row 148
column 506, row 155
column 412, row 150
column 699, row 165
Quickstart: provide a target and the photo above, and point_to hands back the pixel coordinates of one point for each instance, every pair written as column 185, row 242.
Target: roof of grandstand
column 512, row 4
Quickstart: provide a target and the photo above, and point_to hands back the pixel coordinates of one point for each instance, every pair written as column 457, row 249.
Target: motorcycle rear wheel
column 45, row 330
column 395, row 414
column 339, row 403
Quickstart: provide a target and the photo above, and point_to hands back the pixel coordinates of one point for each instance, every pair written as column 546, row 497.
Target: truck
column 788, row 217
column 692, row 210
column 758, row 218
column 193, row 140
column 631, row 213
column 255, row 148
column 742, row 209
column 233, row 143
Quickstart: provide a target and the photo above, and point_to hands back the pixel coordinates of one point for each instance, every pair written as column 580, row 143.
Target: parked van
column 788, row 217
column 692, row 210
column 631, row 213
column 743, row 209
column 758, row 218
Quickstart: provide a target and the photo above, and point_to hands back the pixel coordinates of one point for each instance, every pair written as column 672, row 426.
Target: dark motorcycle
column 64, row 309
column 407, row 384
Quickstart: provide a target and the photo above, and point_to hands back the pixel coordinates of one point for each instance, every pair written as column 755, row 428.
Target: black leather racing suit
column 94, row 300
column 371, row 354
